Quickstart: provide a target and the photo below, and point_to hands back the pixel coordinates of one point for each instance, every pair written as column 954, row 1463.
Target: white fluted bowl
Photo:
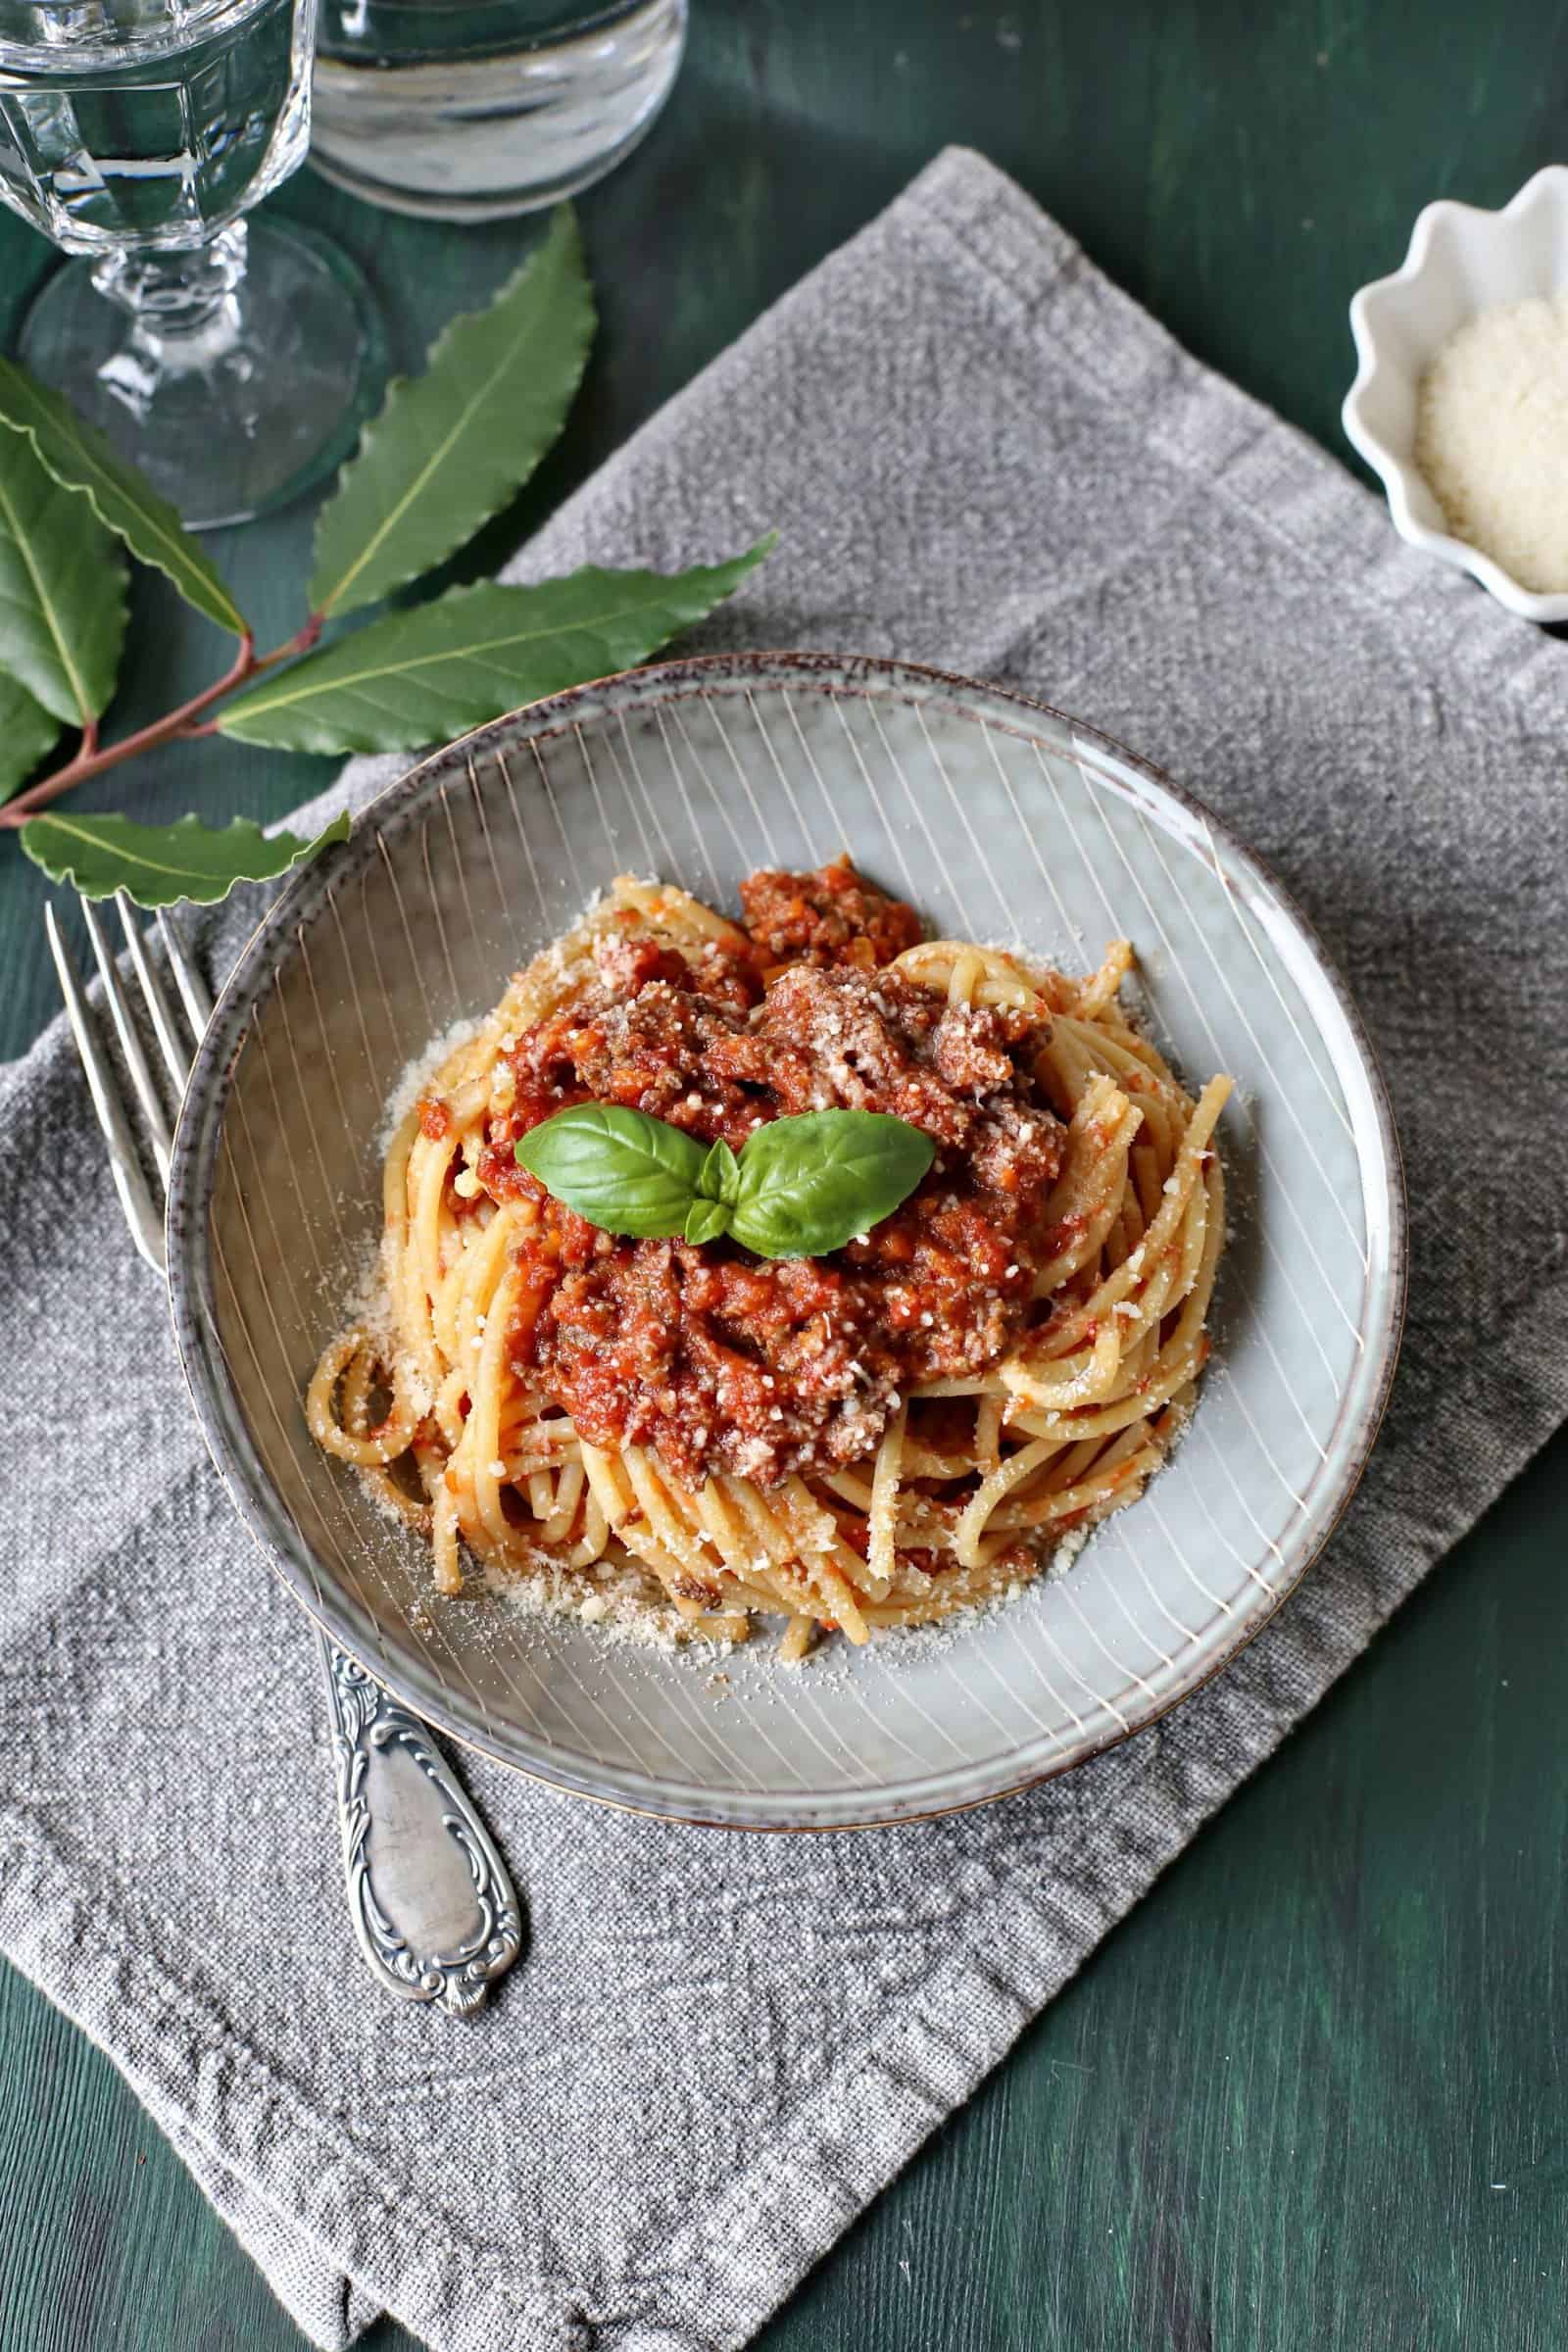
column 1461, row 260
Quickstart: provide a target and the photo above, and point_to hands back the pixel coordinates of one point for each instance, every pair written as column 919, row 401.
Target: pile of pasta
column 976, row 1483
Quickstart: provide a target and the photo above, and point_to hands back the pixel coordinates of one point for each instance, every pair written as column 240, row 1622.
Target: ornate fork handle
column 432, row 1905
column 433, row 1908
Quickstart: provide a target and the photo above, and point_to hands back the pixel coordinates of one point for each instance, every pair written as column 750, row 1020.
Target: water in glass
column 235, row 366
column 144, row 123
column 466, row 108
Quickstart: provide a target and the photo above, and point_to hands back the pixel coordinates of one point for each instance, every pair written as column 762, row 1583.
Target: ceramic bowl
column 1003, row 821
column 1461, row 260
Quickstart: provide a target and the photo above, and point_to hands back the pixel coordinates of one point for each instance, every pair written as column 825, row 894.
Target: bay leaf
column 62, row 590
column 83, row 459
column 160, row 864
column 26, row 731
column 421, row 676
column 450, row 446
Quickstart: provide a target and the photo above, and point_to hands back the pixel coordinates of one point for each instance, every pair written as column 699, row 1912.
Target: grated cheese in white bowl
column 1492, row 437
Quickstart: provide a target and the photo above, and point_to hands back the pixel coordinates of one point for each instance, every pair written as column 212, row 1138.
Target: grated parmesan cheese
column 1491, row 438
column 413, row 1079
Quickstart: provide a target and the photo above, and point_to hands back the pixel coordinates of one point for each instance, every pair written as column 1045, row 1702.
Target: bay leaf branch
column 421, row 676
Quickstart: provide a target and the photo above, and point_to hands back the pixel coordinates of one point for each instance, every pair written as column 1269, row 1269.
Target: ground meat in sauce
column 832, row 916
column 720, row 1360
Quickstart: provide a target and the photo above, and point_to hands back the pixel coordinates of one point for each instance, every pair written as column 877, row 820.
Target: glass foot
column 231, row 407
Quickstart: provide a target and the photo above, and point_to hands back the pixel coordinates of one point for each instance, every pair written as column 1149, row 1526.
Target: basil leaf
column 707, row 1221
column 811, row 1184
column 720, row 1177
column 623, row 1170
column 800, row 1188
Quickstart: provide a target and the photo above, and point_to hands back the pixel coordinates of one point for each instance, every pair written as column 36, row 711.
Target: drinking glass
column 466, row 108
column 234, row 362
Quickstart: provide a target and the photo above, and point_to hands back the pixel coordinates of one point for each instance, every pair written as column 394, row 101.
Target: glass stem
column 183, row 305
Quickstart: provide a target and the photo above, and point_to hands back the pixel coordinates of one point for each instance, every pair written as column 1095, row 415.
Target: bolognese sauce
column 720, row 1360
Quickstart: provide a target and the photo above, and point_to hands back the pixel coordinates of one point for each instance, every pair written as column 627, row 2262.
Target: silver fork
column 433, row 1908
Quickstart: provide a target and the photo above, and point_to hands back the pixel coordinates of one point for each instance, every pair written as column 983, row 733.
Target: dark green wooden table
column 1311, row 2094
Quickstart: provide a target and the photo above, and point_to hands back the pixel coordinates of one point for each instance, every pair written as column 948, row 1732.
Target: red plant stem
column 300, row 642
column 91, row 761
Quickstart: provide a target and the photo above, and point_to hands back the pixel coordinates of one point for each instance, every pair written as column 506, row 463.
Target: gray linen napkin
column 720, row 2047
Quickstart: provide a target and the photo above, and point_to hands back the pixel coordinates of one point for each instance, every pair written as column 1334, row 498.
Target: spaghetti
column 912, row 1426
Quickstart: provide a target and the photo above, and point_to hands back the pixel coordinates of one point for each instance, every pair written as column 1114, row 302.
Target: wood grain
column 1310, row 2098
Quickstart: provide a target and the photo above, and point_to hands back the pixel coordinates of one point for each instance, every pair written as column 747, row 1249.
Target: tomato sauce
column 718, row 1359
column 832, row 916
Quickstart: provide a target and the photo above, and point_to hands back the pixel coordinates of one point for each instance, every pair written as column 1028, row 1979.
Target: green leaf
column 157, row 864
column 720, row 1179
column 623, row 1170
column 811, row 1184
column 82, row 459
column 62, row 590
column 26, row 731
column 801, row 1188
column 452, row 446
column 707, row 1221
column 439, row 670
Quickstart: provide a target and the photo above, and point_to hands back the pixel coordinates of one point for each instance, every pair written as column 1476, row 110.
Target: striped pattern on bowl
column 1004, row 823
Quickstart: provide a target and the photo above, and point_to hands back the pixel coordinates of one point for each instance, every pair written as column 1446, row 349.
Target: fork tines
column 126, row 1164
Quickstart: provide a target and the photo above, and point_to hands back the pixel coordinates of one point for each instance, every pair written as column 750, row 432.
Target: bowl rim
column 1396, row 473
column 192, row 1291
